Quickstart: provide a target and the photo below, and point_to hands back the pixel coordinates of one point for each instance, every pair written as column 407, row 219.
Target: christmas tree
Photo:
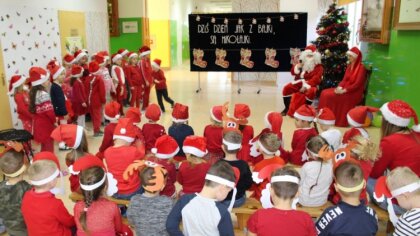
column 332, row 44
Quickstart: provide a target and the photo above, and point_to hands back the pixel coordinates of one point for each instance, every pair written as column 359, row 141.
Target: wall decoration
column 245, row 42
column 97, row 31
column 113, row 18
column 73, row 44
column 376, row 21
column 407, row 15
column 130, row 27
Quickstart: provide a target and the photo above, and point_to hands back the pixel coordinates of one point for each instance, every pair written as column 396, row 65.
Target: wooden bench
column 75, row 197
column 251, row 205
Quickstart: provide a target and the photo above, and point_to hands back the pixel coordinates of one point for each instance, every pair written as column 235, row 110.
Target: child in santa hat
column 18, row 89
column 180, row 129
column 357, row 118
column 163, row 152
column 95, row 90
column 160, row 85
column 191, row 173
column 134, row 80
column 134, row 114
column 41, row 107
column 79, row 100
column 102, row 58
column 12, row 189
column 68, row 61
column 152, row 130
column 242, row 113
column 304, row 117
column 81, row 58
column 326, row 121
column 112, row 114
column 146, row 73
column 44, row 214
column 118, row 77
column 57, row 74
column 121, row 155
column 214, row 135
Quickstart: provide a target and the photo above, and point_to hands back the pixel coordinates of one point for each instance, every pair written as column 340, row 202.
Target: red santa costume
column 152, row 130
column 242, row 113
column 214, row 136
column 400, row 148
column 81, row 58
column 78, row 95
column 44, row 117
column 307, row 78
column 134, row 114
column 350, row 89
column 22, row 101
column 95, row 88
column 68, row 61
column 103, row 59
column 357, row 117
column 262, row 172
column 118, row 77
column 135, row 81
column 111, row 113
column 146, row 72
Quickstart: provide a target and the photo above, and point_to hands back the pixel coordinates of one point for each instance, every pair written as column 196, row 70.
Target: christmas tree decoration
column 332, row 44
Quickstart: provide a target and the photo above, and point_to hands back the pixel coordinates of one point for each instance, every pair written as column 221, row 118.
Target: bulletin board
column 72, row 24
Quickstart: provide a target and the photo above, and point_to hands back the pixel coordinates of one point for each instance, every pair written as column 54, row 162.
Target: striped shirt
column 409, row 223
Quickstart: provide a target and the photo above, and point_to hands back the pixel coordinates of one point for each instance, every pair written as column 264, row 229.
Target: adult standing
column 146, row 73
column 308, row 74
column 349, row 92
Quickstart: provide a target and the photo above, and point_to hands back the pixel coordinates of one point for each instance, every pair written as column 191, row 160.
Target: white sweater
column 308, row 174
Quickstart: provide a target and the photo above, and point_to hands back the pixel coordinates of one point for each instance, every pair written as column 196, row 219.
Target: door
column 5, row 114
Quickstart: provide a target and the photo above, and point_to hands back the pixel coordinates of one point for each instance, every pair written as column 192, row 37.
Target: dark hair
column 285, row 190
column 146, row 175
column 80, row 151
column 232, row 137
column 315, row 126
column 88, row 177
column 314, row 144
column 221, row 169
column 388, row 129
column 72, row 80
column 11, row 161
column 270, row 141
column 349, row 175
column 32, row 97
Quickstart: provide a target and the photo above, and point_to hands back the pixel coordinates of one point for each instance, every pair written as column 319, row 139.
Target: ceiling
column 214, row 5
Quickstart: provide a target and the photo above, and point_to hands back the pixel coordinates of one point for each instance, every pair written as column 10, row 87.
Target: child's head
column 68, row 61
column 165, row 147
column 404, row 177
column 180, row 113
column 349, row 181
column 132, row 58
column 232, row 142
column 314, row 145
column 325, row 119
column 241, row 113
column 16, row 83
column 148, row 176
column 269, row 144
column 153, row 113
column 216, row 115
column 12, row 164
column 112, row 111
column 195, row 148
column 43, row 174
column 116, row 59
column 274, row 120
column 284, row 183
column 125, row 132
column 364, row 149
column 144, row 52
column 359, row 116
column 396, row 116
column 220, row 179
column 156, row 64
column 304, row 116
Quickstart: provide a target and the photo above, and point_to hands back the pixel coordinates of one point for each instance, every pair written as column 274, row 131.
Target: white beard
column 309, row 64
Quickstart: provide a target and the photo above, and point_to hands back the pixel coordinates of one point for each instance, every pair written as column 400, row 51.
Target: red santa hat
column 103, row 54
column 70, row 134
column 100, row 59
column 354, row 52
column 195, row 145
column 241, row 113
column 123, row 52
column 112, row 111
column 134, row 114
column 16, row 81
column 38, row 76
column 156, row 63
column 153, row 112
column 325, row 117
column 145, row 50
column 216, row 113
column 353, row 132
column 357, row 116
column 50, row 157
column 273, row 120
column 76, row 71
column 132, row 54
column 79, row 54
column 55, row 69
column 305, row 112
column 68, row 59
column 180, row 113
column 115, row 57
column 310, row 49
column 125, row 130
column 93, row 67
column 165, row 147
column 399, row 113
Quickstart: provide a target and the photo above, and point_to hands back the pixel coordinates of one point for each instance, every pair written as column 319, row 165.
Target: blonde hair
column 400, row 177
column 193, row 160
column 270, row 141
column 365, row 149
column 40, row 170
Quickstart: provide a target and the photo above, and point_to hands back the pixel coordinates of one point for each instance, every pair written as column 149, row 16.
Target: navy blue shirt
column 345, row 219
column 58, row 100
column 179, row 132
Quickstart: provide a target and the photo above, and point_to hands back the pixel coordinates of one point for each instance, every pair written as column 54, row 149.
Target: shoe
column 98, row 134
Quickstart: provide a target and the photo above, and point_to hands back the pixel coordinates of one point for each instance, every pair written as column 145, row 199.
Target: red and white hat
column 132, row 54
column 16, row 81
column 134, row 114
column 399, row 113
column 354, row 52
column 103, row 54
column 112, row 111
column 145, row 50
column 216, row 113
column 122, row 52
column 165, row 147
column 79, row 54
column 55, row 69
column 241, row 113
column 310, row 49
column 195, row 145
column 153, row 112
column 357, row 116
column 38, row 76
column 305, row 112
column 125, row 130
column 76, row 71
column 273, row 120
column 68, row 59
column 93, row 67
column 115, row 57
column 353, row 132
column 100, row 59
column 180, row 113
column 156, row 63
column 325, row 117
column 70, row 134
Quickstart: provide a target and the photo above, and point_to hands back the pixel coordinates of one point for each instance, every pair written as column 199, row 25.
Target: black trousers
column 163, row 93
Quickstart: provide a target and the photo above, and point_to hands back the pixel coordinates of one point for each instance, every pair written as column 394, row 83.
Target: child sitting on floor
column 152, row 130
column 242, row 113
column 214, row 135
column 112, row 114
column 356, row 118
column 282, row 219
column 326, row 122
column 180, row 129
column 134, row 114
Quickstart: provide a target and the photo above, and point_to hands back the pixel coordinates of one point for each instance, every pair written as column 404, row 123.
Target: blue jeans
column 238, row 202
column 128, row 196
column 370, row 188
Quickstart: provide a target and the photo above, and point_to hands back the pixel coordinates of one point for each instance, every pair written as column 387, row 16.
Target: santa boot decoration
column 200, row 62
column 272, row 54
column 217, row 62
column 249, row 64
column 267, row 57
column 223, row 63
column 195, row 62
column 242, row 57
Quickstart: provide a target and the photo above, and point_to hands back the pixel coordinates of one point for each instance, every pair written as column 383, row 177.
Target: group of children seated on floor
column 215, row 171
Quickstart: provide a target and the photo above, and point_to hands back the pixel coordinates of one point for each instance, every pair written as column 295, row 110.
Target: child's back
column 300, row 137
column 192, row 177
column 214, row 136
column 151, row 132
column 179, row 131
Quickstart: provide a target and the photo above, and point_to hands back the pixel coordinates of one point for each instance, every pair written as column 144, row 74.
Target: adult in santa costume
column 308, row 73
column 349, row 92
column 146, row 72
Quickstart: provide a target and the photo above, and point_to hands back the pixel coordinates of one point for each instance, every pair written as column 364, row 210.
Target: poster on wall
column 73, row 44
column 257, row 42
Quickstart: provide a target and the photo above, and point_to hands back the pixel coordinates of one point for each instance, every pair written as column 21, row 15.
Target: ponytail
column 32, row 97
column 83, row 216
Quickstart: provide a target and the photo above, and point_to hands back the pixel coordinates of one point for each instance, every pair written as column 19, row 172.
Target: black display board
column 245, row 41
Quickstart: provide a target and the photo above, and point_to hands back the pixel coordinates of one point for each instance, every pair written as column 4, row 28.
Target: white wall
column 68, row 5
column 130, row 8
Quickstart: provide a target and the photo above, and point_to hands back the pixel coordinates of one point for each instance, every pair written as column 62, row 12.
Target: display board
column 257, row 42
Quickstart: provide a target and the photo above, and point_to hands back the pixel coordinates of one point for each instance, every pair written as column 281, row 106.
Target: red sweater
column 44, row 214
column 192, row 178
column 214, row 136
column 146, row 70
column 78, row 97
column 108, row 140
column 118, row 159
column 300, row 137
column 169, row 189
column 398, row 150
column 160, row 77
column 133, row 76
column 44, row 117
column 151, row 132
column 22, row 105
column 95, row 90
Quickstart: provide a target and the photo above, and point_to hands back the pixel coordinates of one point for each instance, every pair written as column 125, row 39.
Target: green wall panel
column 185, row 43
column 174, row 42
column 132, row 41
